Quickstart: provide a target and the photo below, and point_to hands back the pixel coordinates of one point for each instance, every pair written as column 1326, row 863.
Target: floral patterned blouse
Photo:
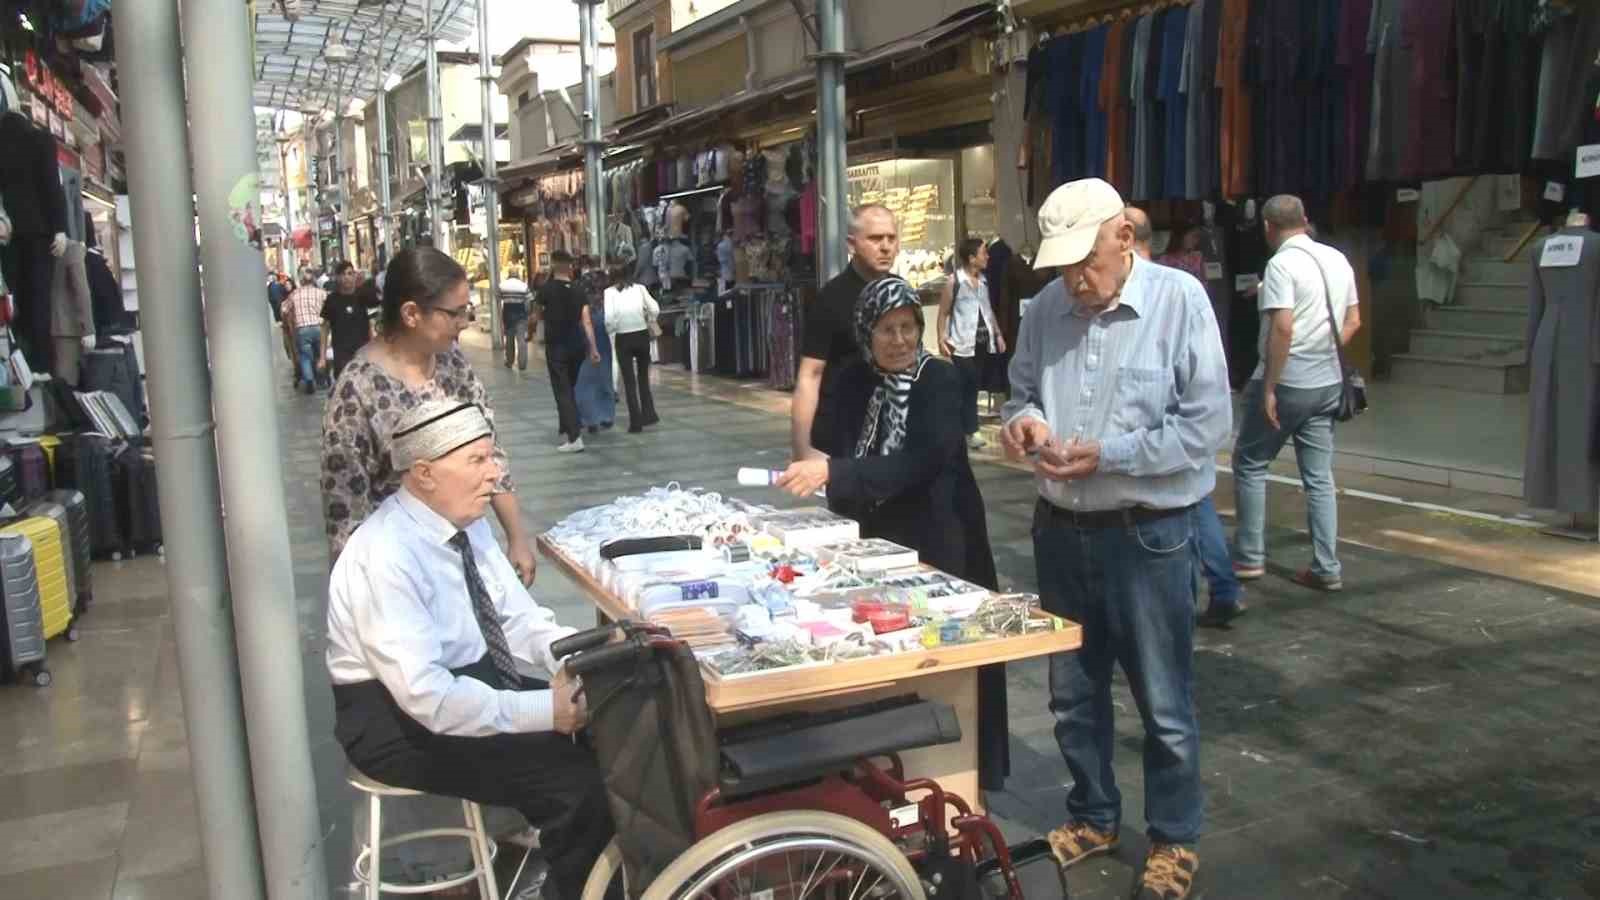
column 361, row 412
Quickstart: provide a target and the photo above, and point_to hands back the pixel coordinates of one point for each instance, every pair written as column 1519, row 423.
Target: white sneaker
column 571, row 447
column 975, row 442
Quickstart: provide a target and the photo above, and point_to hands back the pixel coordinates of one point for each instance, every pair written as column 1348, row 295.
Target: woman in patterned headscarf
column 908, row 478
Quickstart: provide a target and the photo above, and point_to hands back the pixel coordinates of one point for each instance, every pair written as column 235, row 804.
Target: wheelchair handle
column 582, row 641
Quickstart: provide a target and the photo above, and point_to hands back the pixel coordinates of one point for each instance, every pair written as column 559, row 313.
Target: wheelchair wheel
column 606, row 868
column 795, row 855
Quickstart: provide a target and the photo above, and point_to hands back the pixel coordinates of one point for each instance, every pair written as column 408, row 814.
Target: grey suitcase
column 69, row 546
column 22, row 645
column 77, row 507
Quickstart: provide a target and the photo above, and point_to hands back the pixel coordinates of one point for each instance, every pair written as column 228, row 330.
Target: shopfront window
column 921, row 193
column 644, row 67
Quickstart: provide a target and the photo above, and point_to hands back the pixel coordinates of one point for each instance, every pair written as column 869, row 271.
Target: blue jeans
column 307, row 342
column 1211, row 555
column 1306, row 417
column 514, row 324
column 1131, row 588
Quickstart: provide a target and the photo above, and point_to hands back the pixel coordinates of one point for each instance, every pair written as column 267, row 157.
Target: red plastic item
column 785, row 573
column 889, row 619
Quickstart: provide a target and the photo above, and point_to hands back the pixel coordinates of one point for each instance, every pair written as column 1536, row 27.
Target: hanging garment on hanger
column 1234, row 127
column 1144, row 111
column 1560, row 471
column 1174, row 104
column 1570, row 46
column 1429, row 30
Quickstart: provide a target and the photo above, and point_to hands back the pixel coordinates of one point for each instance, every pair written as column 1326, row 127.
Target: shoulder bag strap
column 1327, row 297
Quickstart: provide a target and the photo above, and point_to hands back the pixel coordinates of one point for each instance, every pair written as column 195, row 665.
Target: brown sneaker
column 1168, row 873
column 1075, row 842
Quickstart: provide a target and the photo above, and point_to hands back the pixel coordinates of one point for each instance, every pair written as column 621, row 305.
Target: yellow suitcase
column 50, row 443
column 50, row 561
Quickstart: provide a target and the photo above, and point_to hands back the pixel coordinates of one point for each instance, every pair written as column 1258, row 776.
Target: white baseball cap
column 1071, row 218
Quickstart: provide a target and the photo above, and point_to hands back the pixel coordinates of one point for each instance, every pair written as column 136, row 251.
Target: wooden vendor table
column 948, row 674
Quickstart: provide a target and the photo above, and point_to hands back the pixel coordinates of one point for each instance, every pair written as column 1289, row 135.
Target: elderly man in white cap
column 431, row 637
column 1120, row 390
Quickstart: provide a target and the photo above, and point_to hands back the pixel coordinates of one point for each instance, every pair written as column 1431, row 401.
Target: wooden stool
column 367, row 861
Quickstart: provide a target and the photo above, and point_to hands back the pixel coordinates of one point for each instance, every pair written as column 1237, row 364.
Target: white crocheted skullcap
column 435, row 429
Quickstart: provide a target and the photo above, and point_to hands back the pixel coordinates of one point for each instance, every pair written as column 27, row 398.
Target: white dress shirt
column 1294, row 281
column 399, row 612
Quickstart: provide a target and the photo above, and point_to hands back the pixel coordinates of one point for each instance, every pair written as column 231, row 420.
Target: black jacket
column 924, row 496
column 30, row 178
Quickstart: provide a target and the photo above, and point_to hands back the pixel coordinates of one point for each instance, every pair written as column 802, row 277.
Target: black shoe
column 1217, row 616
column 594, row 429
column 635, row 429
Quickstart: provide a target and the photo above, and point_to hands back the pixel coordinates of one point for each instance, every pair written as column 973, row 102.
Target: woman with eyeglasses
column 414, row 358
column 902, row 469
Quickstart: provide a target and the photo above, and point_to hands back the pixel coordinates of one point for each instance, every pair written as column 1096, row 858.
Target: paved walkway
column 1427, row 733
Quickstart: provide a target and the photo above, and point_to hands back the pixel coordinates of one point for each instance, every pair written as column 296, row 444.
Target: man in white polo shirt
column 1295, row 389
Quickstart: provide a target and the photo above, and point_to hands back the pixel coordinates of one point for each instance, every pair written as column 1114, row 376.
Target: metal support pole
column 338, row 176
column 288, row 211
column 832, row 193
column 385, row 230
column 491, row 191
column 435, row 192
column 150, row 69
column 216, row 40
column 593, row 186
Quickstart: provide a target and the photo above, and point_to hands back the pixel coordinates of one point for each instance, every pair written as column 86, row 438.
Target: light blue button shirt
column 1147, row 379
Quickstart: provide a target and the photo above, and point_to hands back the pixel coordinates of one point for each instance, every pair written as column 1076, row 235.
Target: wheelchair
column 793, row 807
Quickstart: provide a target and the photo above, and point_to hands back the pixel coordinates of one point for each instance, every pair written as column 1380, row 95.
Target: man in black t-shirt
column 829, row 338
column 560, row 306
column 345, row 326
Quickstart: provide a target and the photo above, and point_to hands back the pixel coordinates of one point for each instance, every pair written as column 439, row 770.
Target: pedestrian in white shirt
column 1295, row 390
column 629, row 311
column 432, row 637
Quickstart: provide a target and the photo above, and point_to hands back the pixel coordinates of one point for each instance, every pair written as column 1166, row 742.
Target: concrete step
column 1494, row 270
column 1474, row 376
column 1499, row 242
column 1479, row 294
column 1468, row 345
column 1506, row 322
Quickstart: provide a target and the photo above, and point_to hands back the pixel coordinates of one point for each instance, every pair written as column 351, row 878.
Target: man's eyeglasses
column 460, row 313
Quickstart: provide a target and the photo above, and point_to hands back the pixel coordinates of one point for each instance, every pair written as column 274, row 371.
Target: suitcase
column 10, row 491
column 49, row 443
column 57, row 513
column 22, row 648
column 33, row 471
column 77, row 507
column 86, row 467
column 113, row 370
column 138, row 504
column 50, row 563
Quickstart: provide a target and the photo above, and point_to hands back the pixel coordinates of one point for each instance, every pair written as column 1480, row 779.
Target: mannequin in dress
column 1560, row 470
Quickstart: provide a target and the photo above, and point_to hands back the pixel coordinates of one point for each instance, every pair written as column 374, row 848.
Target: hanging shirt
column 399, row 613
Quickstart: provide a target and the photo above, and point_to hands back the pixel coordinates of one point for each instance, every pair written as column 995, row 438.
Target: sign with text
column 1555, row 191
column 1561, row 251
column 1588, row 161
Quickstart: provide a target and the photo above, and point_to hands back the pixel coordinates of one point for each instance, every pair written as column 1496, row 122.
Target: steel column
column 832, row 194
column 288, row 210
column 217, row 50
column 491, row 191
column 435, row 192
column 593, row 185
column 150, row 72
column 338, row 175
column 386, row 235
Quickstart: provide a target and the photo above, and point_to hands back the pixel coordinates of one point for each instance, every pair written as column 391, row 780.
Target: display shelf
column 757, row 690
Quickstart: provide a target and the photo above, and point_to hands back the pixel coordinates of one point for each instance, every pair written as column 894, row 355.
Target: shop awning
column 957, row 26
column 544, row 163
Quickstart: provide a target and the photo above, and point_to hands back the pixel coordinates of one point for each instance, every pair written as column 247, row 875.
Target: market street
column 1426, row 733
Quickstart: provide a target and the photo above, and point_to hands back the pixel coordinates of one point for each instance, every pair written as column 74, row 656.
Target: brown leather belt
column 1108, row 518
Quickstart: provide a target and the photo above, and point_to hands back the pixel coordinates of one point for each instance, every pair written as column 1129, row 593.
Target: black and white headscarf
column 886, row 411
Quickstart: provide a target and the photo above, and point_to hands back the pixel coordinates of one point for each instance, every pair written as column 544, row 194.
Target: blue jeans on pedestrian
column 1211, row 555
column 307, row 342
column 1306, row 417
column 1131, row 588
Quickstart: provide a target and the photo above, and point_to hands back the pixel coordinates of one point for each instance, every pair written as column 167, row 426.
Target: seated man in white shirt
column 430, row 637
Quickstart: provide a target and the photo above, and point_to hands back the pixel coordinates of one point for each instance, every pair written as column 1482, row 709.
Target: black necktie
column 488, row 619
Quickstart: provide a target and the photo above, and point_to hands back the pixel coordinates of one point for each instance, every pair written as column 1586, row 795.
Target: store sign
column 1588, row 161
column 1561, row 252
column 45, row 83
column 1213, row 271
column 1243, row 283
column 1407, row 195
column 1555, row 191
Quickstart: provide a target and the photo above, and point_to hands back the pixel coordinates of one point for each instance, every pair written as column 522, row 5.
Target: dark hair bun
column 419, row 275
